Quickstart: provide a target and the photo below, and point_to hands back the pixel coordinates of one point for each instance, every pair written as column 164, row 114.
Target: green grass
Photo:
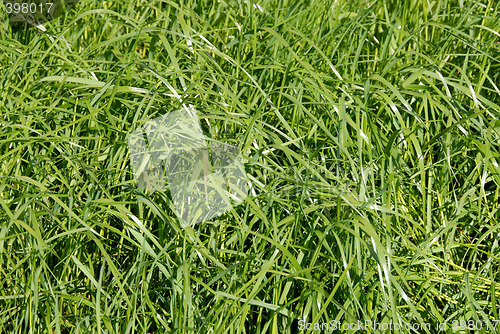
column 371, row 136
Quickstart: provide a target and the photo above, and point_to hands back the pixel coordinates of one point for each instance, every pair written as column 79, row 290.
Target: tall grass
column 370, row 132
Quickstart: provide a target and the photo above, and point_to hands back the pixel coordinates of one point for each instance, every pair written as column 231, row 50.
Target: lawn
column 370, row 136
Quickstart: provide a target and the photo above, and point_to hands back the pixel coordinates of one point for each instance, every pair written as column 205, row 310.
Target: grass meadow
column 370, row 133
